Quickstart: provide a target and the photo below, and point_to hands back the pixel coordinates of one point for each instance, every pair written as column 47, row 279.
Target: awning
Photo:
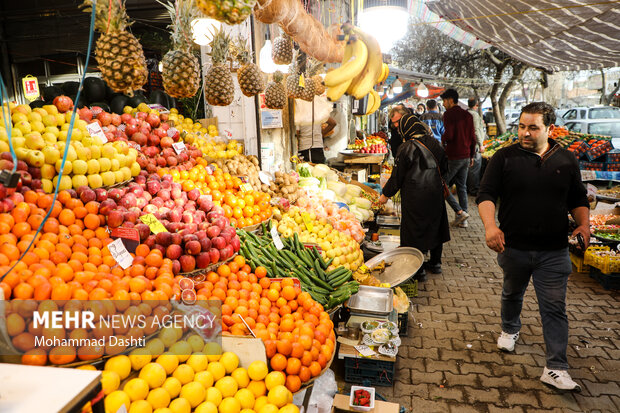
column 554, row 35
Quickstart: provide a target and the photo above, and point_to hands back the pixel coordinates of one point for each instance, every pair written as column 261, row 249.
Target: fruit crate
column 578, row 263
column 369, row 372
column 592, row 166
column 589, row 258
column 598, row 149
column 613, row 156
column 410, row 288
column 608, row 281
column 403, row 321
column 613, row 166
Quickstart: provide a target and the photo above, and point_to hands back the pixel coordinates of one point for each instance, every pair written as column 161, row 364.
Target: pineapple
column 309, row 89
column 249, row 75
column 228, row 11
column 219, row 87
column 317, row 67
column 118, row 53
column 181, row 70
column 275, row 94
column 282, row 51
column 293, row 89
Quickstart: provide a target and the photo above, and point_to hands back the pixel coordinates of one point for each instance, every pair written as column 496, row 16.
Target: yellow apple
column 108, row 178
column 47, row 186
column 34, row 116
column 52, row 154
column 119, row 176
column 35, row 141
column 36, row 158
column 51, row 109
column 135, row 169
column 48, row 172
column 80, row 167
column 95, row 152
column 104, row 164
column 65, row 182
column 126, row 173
column 21, row 153
column 79, row 180
column 50, row 120
column 83, row 153
column 95, row 181
column 68, row 167
column 115, row 165
column 93, row 166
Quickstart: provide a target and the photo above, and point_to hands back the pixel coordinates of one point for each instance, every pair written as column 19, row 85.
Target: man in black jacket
column 394, row 116
column 537, row 184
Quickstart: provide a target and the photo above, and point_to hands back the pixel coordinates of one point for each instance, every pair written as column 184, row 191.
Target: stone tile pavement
column 450, row 362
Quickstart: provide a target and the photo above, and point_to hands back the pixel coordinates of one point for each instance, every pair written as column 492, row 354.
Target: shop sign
column 271, row 118
column 276, row 238
column 31, row 87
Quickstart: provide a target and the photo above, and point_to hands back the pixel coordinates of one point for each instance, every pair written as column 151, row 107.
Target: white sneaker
column 460, row 218
column 506, row 341
column 560, row 379
column 464, row 224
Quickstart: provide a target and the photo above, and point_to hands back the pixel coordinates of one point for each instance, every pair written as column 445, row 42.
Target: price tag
column 94, row 129
column 302, row 82
column 120, row 254
column 276, row 238
column 153, row 223
column 129, row 237
column 122, row 409
column 365, row 351
column 178, row 147
column 245, row 187
column 264, row 177
column 307, row 221
column 171, row 132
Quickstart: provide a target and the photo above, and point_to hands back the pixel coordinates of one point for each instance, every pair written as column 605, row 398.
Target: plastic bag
column 323, row 391
column 401, row 301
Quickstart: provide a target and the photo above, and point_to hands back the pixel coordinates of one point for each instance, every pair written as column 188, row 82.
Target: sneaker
column 460, row 218
column 506, row 341
column 560, row 379
column 464, row 224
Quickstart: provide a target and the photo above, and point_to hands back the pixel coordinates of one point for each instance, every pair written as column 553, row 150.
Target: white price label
column 120, row 254
column 365, row 351
column 171, row 132
column 276, row 238
column 178, row 147
column 94, row 129
column 264, row 177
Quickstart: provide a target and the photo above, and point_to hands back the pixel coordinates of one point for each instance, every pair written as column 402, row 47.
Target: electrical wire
column 67, row 144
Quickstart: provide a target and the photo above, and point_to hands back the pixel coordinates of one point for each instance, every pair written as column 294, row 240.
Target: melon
column 94, row 89
column 118, row 103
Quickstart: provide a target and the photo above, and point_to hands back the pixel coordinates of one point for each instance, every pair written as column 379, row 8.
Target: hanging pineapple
column 309, row 89
column 219, row 87
column 275, row 94
column 317, row 68
column 118, row 53
column 228, row 11
column 181, row 70
column 294, row 80
column 249, row 75
column 282, row 51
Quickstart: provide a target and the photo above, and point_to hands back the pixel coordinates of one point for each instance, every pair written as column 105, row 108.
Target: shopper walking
column 394, row 116
column 460, row 143
column 417, row 173
column 473, row 176
column 536, row 183
column 433, row 119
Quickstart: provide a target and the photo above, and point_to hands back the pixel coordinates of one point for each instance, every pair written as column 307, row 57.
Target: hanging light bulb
column 202, row 30
column 265, row 61
column 397, row 86
column 422, row 90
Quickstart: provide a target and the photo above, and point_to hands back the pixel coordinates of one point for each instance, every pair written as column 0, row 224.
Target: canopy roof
column 554, row 35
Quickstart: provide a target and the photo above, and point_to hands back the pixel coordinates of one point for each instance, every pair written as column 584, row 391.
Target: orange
column 91, row 221
column 293, row 383
column 278, row 362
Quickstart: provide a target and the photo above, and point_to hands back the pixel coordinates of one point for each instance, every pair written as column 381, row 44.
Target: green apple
column 36, row 158
column 47, row 186
column 104, row 164
column 79, row 180
column 65, row 182
column 52, row 154
column 80, row 167
column 93, row 166
column 68, row 167
column 48, row 171
column 108, row 178
column 95, row 181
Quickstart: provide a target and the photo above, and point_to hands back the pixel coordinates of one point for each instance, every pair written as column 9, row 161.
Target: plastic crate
column 589, row 258
column 613, row 156
column 369, row 372
column 599, row 149
column 403, row 321
column 578, row 263
column 410, row 288
column 613, row 166
column 592, row 166
column 608, row 281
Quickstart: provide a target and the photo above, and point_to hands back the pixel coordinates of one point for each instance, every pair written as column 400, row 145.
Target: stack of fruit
column 369, row 145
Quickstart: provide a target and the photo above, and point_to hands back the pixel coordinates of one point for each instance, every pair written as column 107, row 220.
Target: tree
column 607, row 98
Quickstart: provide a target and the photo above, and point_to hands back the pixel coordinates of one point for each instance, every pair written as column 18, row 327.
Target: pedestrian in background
column 536, row 183
column 433, row 119
column 394, row 116
column 420, row 109
column 473, row 176
column 459, row 142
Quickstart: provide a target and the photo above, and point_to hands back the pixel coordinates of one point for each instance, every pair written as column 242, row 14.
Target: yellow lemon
column 229, row 405
column 154, row 374
column 246, row 398
column 110, row 381
column 194, row 392
column 214, row 396
column 162, row 410
column 212, row 350
column 260, row 402
column 139, row 358
column 216, row 369
column 158, row 398
column 173, row 386
column 140, row 406
column 196, row 342
column 279, row 395
column 180, row 405
column 289, row 408
column 115, row 400
column 275, row 378
column 258, row 370
column 168, row 361
column 206, row 407
column 119, row 364
column 136, row 389
column 268, row 408
column 227, row 386
column 241, row 376
column 184, row 373
column 205, row 378
column 86, row 367
column 181, row 349
column 198, row 361
column 257, row 388
column 230, row 361
column 247, row 411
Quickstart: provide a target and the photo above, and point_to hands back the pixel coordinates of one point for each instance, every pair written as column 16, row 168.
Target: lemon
column 110, row 381
column 173, row 386
column 258, row 370
column 86, row 367
column 168, row 361
column 139, row 358
column 180, row 405
column 206, row 407
column 198, row 361
column 247, row 411
column 257, row 388
column 196, row 342
column 241, row 376
column 162, row 410
column 230, row 361
column 275, row 378
column 205, row 378
column 168, row 336
column 268, row 408
column 136, row 389
column 181, row 349
column 115, row 400
column 184, row 373
column 216, row 369
column 289, row 408
column 119, row 364
column 214, row 396
column 229, row 405
column 279, row 395
column 213, row 351
column 158, row 398
column 246, row 398
column 194, row 392
column 154, row 374
column 140, row 406
column 260, row 402
column 227, row 386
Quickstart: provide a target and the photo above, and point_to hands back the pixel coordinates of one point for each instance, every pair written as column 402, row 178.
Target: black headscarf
column 410, row 126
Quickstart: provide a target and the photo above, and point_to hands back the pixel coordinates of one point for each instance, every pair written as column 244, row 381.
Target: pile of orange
column 247, row 208
column 297, row 333
column 216, row 184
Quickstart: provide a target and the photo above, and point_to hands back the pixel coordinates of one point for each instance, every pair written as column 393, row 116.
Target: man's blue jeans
column 549, row 271
column 457, row 174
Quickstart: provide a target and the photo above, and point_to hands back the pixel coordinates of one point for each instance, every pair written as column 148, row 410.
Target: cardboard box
column 341, row 403
column 208, row 121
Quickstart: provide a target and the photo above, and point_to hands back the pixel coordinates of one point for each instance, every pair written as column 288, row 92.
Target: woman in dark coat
column 424, row 223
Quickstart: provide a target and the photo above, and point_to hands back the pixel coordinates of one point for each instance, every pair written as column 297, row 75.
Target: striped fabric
column 552, row 34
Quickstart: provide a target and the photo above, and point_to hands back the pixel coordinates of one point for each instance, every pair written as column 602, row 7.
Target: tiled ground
column 450, row 363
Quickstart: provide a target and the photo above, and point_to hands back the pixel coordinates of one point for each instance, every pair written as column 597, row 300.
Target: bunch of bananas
column 361, row 69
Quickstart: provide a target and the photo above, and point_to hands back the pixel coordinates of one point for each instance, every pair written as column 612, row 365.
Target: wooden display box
column 341, row 403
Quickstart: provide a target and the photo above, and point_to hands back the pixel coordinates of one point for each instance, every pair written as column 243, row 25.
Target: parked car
column 598, row 112
column 606, row 127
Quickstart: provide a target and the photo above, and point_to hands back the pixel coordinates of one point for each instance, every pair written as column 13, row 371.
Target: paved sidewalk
column 450, row 362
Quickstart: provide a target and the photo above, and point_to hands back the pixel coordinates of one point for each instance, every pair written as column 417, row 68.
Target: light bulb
column 422, row 90
column 265, row 61
column 160, row 66
column 202, row 30
column 397, row 86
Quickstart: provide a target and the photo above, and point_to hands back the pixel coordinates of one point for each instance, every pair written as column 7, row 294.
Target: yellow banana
column 350, row 66
column 334, row 93
column 370, row 103
column 377, row 100
column 379, row 79
column 366, row 80
column 386, row 73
